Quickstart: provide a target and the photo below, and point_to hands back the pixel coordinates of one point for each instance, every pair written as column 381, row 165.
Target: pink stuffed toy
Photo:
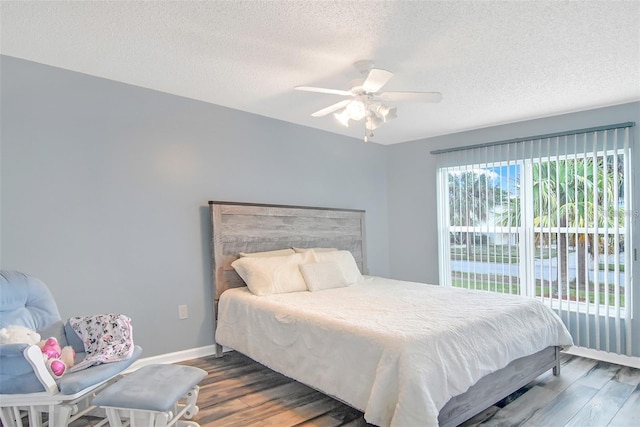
column 57, row 359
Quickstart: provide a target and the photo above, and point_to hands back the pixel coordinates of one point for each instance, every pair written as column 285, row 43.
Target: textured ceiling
column 494, row 62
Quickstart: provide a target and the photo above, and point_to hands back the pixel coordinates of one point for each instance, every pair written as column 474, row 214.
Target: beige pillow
column 278, row 252
column 273, row 275
column 345, row 261
column 323, row 275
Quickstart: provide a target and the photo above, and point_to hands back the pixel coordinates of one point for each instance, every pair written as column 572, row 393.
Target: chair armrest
column 16, row 373
column 12, row 350
column 33, row 354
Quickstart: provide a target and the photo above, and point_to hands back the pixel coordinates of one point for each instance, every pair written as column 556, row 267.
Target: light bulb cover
column 392, row 113
column 383, row 112
column 342, row 117
column 373, row 122
column 356, row 110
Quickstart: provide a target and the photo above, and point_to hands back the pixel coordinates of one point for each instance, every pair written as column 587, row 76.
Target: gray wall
column 104, row 190
column 413, row 238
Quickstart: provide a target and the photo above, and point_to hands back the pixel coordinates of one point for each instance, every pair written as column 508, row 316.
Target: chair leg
column 59, row 415
column 190, row 403
column 35, row 417
column 114, row 417
column 161, row 419
column 10, row 417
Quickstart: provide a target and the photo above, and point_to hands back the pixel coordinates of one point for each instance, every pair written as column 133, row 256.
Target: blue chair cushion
column 26, row 301
column 151, row 388
column 17, row 376
column 74, row 382
column 16, row 373
column 73, row 339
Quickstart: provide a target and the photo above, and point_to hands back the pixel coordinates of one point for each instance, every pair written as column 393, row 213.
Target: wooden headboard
column 246, row 227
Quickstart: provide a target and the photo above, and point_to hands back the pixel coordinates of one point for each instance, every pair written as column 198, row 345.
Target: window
column 546, row 218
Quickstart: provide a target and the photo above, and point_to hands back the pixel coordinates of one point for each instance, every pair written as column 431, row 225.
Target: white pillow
column 278, row 252
column 273, row 275
column 323, row 275
column 302, row 250
column 345, row 260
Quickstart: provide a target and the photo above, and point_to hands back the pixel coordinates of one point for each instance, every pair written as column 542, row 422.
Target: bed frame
column 245, row 227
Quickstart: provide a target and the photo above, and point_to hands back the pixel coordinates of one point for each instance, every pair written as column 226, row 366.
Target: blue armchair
column 26, row 387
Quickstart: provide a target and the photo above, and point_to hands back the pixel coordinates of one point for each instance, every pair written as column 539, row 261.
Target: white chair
column 26, row 387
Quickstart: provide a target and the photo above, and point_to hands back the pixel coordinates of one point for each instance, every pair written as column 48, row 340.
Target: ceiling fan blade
column 330, row 109
column 411, row 96
column 376, row 79
column 323, row 90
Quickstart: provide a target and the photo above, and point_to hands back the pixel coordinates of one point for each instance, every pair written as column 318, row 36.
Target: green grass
column 611, row 267
column 503, row 254
column 482, row 285
column 506, row 284
column 486, row 253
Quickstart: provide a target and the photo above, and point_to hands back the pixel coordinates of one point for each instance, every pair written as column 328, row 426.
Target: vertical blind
column 547, row 217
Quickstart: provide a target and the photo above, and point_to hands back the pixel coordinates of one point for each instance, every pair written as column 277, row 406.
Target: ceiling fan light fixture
column 342, row 117
column 390, row 114
column 356, row 110
column 373, row 122
column 383, row 112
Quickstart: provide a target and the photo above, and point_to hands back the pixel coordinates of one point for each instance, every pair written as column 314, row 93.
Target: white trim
column 210, row 350
column 175, row 357
column 618, row 359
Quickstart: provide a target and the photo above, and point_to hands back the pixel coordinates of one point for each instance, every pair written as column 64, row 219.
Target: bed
column 401, row 354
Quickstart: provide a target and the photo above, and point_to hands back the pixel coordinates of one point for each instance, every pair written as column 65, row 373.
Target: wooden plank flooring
column 242, row 393
column 239, row 392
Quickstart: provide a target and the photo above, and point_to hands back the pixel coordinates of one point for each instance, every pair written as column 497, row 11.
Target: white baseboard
column 175, row 357
column 618, row 359
column 210, row 350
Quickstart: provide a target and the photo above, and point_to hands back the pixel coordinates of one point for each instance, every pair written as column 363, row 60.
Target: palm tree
column 571, row 193
column 473, row 195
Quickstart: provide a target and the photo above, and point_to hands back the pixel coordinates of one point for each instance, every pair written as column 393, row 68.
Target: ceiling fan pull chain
column 366, row 137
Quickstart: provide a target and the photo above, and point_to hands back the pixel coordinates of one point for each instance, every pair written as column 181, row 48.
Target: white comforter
column 396, row 350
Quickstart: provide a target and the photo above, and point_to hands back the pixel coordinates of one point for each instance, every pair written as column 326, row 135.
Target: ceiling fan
column 365, row 99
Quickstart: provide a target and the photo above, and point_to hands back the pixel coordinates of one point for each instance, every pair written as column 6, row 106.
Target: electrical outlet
column 183, row 311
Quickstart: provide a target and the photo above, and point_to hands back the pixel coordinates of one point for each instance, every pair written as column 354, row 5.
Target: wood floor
column 241, row 392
